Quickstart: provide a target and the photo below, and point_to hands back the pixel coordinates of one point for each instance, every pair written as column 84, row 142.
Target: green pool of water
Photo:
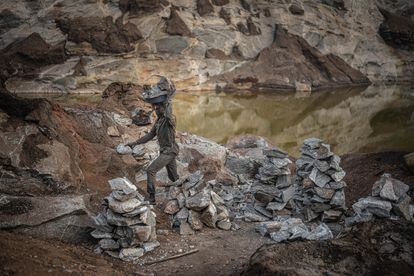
column 369, row 119
column 377, row 118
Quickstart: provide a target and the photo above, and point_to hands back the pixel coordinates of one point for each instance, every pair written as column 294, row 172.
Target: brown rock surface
column 296, row 9
column 176, row 26
column 139, row 7
column 397, row 31
column 226, row 16
column 273, row 68
column 204, row 7
column 25, row 57
column 102, row 33
column 220, row 2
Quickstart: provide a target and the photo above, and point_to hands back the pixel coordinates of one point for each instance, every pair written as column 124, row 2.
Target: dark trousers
column 164, row 160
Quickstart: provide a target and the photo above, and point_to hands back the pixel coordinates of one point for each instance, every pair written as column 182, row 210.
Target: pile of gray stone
column 320, row 189
column 192, row 203
column 274, row 188
column 389, row 199
column 287, row 228
column 126, row 228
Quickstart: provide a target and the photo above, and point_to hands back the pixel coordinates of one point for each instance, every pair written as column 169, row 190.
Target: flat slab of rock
column 389, row 188
column 322, row 232
column 130, row 254
column 122, row 207
column 118, row 220
column 199, row 201
column 319, row 178
column 376, row 206
column 122, row 184
column 38, row 209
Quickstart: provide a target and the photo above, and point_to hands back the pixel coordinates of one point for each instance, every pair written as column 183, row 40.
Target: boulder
column 148, row 218
column 108, row 244
column 276, row 206
column 224, row 225
column 131, row 254
column 296, row 9
column 402, row 208
column 137, row 211
column 113, row 132
column 99, row 234
column 176, row 26
column 121, row 196
column 331, row 215
column 172, row 207
column 320, row 179
column 122, row 184
column 102, row 33
column 287, row 193
column 33, row 211
column 378, row 207
column 199, row 201
column 389, row 188
column 141, row 232
column 204, row 7
column 338, row 199
column 101, row 223
column 122, row 207
column 280, row 236
column 194, row 220
column 185, row 229
column 265, row 228
column 182, row 214
column 322, row 232
column 397, row 31
column 171, row 44
column 118, row 220
column 209, row 216
column 150, row 246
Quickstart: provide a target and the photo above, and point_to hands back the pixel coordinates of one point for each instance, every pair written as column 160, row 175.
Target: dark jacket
column 164, row 129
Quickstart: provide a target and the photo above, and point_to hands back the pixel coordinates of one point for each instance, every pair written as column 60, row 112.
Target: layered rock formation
column 200, row 43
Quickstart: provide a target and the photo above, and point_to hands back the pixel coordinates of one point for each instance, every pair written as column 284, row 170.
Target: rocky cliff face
column 203, row 44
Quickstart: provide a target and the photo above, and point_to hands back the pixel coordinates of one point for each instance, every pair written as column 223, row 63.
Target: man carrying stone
column 164, row 129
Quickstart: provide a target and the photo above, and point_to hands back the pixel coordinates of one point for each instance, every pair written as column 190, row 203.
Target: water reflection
column 351, row 120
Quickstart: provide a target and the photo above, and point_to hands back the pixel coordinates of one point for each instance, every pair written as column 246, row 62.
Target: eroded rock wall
column 195, row 42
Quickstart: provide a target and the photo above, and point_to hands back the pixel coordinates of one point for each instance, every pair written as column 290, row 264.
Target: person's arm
column 147, row 137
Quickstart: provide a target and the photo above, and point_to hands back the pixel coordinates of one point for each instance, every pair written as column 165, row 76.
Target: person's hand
column 131, row 145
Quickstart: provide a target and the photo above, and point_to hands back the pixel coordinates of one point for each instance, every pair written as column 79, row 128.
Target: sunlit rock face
column 194, row 41
column 351, row 120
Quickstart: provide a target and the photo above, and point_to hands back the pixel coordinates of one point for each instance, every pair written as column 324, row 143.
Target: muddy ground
column 220, row 253
column 373, row 248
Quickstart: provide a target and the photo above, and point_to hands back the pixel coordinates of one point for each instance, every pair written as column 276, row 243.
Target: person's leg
column 156, row 165
column 172, row 170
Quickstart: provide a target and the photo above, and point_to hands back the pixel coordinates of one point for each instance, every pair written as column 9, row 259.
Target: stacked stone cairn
column 389, row 199
column 319, row 183
column 274, row 188
column 126, row 229
column 192, row 203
